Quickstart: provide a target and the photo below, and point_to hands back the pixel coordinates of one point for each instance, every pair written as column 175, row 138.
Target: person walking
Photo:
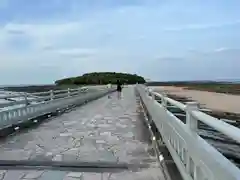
column 119, row 89
column 109, row 86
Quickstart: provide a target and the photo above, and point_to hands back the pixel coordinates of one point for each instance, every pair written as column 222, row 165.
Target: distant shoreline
column 208, row 98
column 34, row 88
column 210, row 86
column 25, row 85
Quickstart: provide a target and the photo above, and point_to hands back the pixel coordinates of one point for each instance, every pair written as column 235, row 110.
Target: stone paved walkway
column 108, row 130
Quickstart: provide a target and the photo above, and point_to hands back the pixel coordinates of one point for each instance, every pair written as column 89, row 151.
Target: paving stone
column 105, row 133
column 75, row 174
column 70, row 123
column 104, row 130
column 14, row 175
column 79, row 134
column 16, row 154
column 105, row 176
column 2, row 174
column 113, row 139
column 104, row 125
column 121, row 125
column 71, row 178
column 53, row 175
column 91, row 125
column 33, row 175
column 92, row 176
column 101, row 141
column 49, row 154
column 69, row 157
column 65, row 134
column 58, row 157
column 123, row 175
column 130, row 134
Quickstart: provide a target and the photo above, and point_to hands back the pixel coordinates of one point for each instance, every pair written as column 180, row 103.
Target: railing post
column 68, row 91
column 149, row 91
column 191, row 122
column 153, row 96
column 79, row 90
column 26, row 100
column 163, row 100
column 51, row 95
column 146, row 89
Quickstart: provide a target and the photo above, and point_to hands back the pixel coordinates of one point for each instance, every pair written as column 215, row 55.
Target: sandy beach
column 210, row 100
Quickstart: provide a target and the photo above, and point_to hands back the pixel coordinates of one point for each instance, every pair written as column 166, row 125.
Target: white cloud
column 3, row 4
column 43, row 47
column 201, row 26
column 76, row 52
column 49, row 29
column 117, row 39
column 223, row 64
column 43, row 35
column 221, row 49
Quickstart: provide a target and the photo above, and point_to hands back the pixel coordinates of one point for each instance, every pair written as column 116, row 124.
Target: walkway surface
column 107, row 130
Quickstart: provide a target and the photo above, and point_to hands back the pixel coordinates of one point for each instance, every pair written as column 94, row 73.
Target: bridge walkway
column 108, row 130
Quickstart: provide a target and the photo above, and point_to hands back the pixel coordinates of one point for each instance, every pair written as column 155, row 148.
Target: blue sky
column 44, row 40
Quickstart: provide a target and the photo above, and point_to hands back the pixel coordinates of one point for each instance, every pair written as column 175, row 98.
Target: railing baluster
column 51, row 95
column 44, row 102
column 191, row 122
column 153, row 96
column 26, row 100
column 68, row 92
column 199, row 174
column 163, row 100
column 195, row 157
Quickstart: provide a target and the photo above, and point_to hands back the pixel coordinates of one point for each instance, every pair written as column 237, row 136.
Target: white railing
column 46, row 102
column 195, row 158
column 28, row 98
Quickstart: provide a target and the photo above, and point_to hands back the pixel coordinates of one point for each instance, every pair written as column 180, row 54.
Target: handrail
column 12, row 96
column 221, row 126
column 194, row 157
column 171, row 101
column 61, row 91
column 46, row 104
column 39, row 96
column 41, row 93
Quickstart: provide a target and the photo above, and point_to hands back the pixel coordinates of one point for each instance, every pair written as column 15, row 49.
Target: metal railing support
column 68, row 92
column 44, row 103
column 51, row 95
column 195, row 158
column 153, row 97
column 191, row 122
column 163, row 100
column 26, row 100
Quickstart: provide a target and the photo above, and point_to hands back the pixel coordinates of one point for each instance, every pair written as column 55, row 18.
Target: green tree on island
column 102, row 78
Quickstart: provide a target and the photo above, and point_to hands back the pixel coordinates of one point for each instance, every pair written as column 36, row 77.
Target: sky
column 45, row 40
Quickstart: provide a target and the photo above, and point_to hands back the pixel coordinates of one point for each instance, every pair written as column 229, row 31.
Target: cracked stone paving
column 108, row 130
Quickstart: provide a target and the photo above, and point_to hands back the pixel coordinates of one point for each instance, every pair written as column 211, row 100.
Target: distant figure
column 109, row 86
column 119, row 89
